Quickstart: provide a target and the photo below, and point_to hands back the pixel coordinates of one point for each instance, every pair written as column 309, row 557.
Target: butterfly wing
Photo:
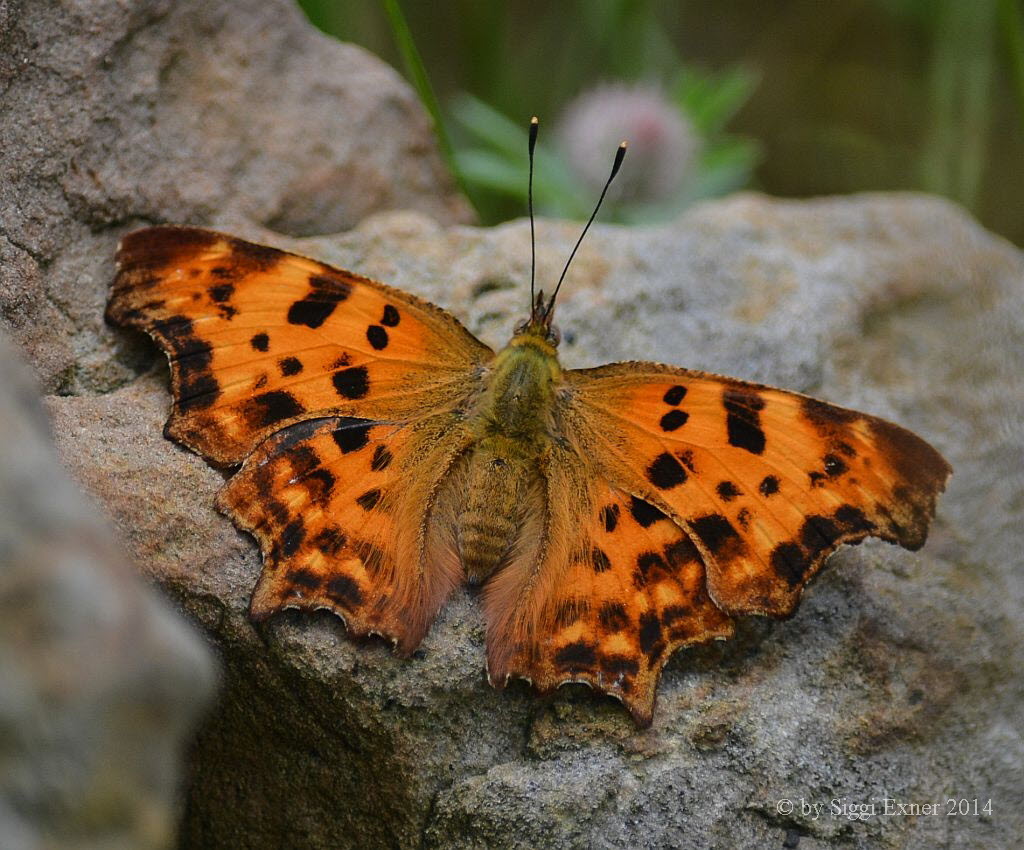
column 259, row 338
column 673, row 499
column 766, row 482
column 611, row 588
column 335, row 390
column 354, row 517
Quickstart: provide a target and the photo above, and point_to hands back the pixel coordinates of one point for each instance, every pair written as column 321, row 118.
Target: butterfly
column 385, row 457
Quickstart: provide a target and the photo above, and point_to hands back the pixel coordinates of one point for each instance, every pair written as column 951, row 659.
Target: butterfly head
column 538, row 325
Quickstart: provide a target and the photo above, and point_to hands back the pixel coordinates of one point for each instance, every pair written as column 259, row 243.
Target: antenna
column 619, row 156
column 529, row 194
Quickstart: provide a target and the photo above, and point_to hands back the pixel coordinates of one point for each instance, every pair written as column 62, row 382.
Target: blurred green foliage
column 849, row 95
column 486, row 146
column 493, row 157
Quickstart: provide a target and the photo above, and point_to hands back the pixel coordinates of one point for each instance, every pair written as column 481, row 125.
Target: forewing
column 766, row 482
column 258, row 338
column 354, row 517
column 613, row 589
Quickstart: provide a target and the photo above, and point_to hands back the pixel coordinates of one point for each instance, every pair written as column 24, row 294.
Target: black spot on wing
column 221, row 293
column 576, row 657
column 303, row 577
column 686, row 459
column 789, row 563
column 292, row 537
column 675, row 612
column 727, row 491
column 650, row 634
column 681, row 553
column 303, row 459
column 648, row 561
column 718, row 535
column 326, row 292
column 819, row 533
column 391, row 318
column 368, row 500
column 853, row 520
column 320, row 483
column 674, row 395
column 613, row 616
column 330, row 541
column 197, row 392
column 743, row 419
column 599, row 560
column 834, row 466
column 272, row 407
column 260, row 342
column 351, row 438
column 644, row 512
column 289, row 366
column 377, row 337
column 666, row 472
column 673, row 420
column 345, row 590
column 381, row 459
column 312, row 314
column 277, row 513
column 193, row 357
column 769, row 485
column 616, row 666
column 610, row 517
column 352, row 383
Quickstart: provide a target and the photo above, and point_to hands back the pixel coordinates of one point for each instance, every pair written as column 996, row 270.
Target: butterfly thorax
column 511, row 422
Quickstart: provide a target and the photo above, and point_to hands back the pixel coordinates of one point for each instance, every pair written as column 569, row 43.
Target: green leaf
column 712, row 100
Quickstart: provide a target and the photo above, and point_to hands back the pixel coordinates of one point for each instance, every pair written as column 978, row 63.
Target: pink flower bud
column 662, row 143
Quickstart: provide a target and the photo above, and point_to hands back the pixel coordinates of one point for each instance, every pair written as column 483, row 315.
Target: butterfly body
column 512, row 424
column 609, row 515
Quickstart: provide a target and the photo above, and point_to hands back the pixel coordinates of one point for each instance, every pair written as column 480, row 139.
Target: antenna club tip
column 620, row 155
column 535, row 120
column 624, row 144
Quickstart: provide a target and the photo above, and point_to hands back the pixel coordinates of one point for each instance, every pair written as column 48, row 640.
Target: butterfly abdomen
column 490, row 519
column 511, row 422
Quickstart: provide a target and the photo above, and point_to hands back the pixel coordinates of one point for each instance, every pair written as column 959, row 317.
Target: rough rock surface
column 100, row 682
column 198, row 111
column 897, row 676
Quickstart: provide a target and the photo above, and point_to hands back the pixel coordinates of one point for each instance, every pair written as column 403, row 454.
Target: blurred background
column 794, row 98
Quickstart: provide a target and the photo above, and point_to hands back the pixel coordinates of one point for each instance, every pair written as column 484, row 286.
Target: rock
column 100, row 682
column 203, row 111
column 897, row 676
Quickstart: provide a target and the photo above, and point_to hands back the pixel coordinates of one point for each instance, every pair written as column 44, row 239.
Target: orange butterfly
column 611, row 515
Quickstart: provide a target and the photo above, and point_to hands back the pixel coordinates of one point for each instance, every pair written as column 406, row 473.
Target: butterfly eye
column 554, row 335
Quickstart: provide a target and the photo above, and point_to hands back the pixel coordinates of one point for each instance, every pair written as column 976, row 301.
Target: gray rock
column 202, row 111
column 100, row 682
column 897, row 676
